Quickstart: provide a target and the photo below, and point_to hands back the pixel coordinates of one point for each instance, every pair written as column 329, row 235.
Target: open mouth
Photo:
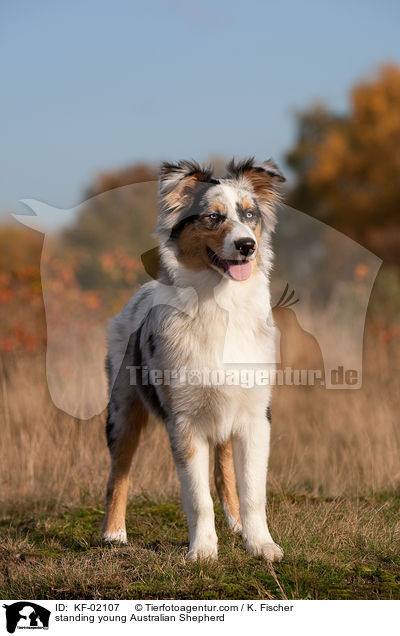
column 238, row 270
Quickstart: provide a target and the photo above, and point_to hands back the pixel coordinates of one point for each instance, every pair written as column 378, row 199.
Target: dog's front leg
column 250, row 454
column 191, row 454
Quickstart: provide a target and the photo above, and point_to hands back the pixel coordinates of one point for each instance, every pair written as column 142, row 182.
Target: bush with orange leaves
column 21, row 304
column 25, row 272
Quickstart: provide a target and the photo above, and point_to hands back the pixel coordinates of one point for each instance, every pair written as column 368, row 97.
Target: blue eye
column 214, row 216
column 249, row 215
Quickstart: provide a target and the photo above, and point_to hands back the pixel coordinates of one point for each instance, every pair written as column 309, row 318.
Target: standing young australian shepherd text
column 209, row 307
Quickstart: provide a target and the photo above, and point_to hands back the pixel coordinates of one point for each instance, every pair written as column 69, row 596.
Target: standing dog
column 214, row 242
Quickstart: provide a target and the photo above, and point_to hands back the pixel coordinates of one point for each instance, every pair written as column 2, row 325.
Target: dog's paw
column 119, row 537
column 269, row 551
column 233, row 524
column 206, row 549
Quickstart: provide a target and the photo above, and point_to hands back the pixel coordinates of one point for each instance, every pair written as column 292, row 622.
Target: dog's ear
column 265, row 178
column 178, row 182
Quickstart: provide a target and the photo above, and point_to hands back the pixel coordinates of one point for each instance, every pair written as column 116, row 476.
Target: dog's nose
column 246, row 246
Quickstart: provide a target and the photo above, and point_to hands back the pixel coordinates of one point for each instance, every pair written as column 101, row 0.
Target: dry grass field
column 324, row 442
column 333, row 499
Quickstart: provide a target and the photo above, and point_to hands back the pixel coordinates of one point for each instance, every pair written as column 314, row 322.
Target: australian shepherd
column 215, row 261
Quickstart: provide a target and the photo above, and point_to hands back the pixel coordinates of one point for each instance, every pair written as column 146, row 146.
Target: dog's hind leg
column 225, row 482
column 124, row 425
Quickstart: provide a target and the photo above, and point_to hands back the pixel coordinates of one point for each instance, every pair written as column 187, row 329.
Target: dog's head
column 219, row 224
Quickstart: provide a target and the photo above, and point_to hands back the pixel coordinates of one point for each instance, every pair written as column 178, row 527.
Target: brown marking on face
column 225, row 480
column 257, row 233
column 218, row 206
column 257, row 262
column 246, row 204
column 194, row 240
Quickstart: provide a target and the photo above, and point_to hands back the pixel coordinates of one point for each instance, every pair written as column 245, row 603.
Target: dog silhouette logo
column 298, row 348
column 324, row 332
column 26, row 615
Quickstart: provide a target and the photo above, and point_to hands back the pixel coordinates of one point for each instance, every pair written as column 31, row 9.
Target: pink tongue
column 240, row 272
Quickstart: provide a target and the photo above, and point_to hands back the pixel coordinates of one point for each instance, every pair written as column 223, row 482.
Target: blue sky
column 92, row 85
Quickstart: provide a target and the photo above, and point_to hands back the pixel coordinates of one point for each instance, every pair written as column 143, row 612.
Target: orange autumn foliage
column 348, row 166
column 26, row 272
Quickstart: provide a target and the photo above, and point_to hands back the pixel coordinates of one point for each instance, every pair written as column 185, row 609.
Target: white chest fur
column 233, row 329
column 232, row 325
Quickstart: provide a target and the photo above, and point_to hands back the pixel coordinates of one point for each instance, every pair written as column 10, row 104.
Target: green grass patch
column 344, row 548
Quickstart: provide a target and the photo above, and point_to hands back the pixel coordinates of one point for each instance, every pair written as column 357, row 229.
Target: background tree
column 348, row 167
column 113, row 228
